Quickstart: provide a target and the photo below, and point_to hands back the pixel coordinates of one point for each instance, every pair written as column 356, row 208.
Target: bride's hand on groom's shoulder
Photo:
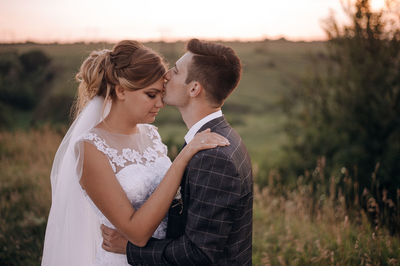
column 113, row 241
column 207, row 140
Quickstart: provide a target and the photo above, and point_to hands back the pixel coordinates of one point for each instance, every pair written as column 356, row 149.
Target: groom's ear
column 195, row 89
column 120, row 92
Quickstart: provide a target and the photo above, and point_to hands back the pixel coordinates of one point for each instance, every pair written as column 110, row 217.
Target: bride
column 111, row 167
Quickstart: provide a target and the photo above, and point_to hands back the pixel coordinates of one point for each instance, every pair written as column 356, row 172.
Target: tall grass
column 25, row 196
column 320, row 224
column 291, row 227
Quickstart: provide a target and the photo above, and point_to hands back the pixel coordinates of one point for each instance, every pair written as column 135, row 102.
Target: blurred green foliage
column 24, row 79
column 348, row 110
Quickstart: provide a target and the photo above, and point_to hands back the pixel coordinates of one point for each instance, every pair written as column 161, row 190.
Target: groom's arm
column 214, row 194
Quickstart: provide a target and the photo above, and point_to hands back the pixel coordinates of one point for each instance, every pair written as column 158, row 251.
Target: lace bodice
column 139, row 162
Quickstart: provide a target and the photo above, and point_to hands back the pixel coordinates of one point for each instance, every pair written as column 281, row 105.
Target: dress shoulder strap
column 102, row 146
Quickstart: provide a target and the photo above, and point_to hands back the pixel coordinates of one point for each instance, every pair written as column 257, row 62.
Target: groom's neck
column 191, row 114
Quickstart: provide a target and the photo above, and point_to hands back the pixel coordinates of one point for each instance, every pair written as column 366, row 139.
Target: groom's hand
column 113, row 241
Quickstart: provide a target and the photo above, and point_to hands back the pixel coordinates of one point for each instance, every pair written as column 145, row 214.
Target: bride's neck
column 118, row 122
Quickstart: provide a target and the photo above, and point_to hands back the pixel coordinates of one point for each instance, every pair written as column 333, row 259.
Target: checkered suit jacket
column 214, row 225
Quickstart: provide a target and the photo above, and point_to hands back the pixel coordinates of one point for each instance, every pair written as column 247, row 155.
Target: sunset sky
column 101, row 20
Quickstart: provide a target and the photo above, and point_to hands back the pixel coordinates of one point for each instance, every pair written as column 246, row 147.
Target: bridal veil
column 73, row 230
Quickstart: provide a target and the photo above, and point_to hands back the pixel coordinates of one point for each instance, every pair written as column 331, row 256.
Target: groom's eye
column 151, row 95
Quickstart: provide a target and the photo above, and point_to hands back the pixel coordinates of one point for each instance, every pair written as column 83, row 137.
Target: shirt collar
column 193, row 130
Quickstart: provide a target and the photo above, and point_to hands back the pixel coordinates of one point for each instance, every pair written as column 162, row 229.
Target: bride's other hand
column 205, row 140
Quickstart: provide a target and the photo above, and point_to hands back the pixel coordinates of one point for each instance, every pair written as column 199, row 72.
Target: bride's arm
column 103, row 188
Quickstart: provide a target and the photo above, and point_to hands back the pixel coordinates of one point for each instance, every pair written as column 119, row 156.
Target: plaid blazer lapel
column 217, row 122
column 176, row 214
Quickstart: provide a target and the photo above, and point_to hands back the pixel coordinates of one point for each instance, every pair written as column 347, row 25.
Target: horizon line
column 169, row 40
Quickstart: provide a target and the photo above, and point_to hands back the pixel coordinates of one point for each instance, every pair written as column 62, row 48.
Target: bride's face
column 142, row 106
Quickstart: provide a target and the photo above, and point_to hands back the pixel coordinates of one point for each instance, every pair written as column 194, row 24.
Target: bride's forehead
column 154, row 88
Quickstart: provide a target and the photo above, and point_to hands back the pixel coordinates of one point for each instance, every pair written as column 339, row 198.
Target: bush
column 24, row 81
column 349, row 111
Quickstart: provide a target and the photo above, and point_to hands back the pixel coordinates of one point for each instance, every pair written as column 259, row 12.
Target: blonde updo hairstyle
column 129, row 64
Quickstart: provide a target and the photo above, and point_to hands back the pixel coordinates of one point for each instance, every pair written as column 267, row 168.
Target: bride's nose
column 159, row 103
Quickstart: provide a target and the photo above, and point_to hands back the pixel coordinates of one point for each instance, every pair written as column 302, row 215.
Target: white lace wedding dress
column 139, row 162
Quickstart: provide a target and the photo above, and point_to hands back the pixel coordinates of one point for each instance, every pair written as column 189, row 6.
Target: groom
column 212, row 223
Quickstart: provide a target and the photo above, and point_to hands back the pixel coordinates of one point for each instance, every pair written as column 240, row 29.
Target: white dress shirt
column 193, row 130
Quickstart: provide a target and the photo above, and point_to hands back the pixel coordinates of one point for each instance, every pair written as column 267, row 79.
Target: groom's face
column 176, row 89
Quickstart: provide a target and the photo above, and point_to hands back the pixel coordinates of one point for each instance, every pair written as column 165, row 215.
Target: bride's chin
column 151, row 120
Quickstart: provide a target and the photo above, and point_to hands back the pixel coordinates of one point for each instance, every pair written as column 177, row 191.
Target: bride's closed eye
column 151, row 95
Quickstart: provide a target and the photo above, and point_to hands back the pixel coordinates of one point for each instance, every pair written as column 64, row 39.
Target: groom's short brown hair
column 216, row 67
